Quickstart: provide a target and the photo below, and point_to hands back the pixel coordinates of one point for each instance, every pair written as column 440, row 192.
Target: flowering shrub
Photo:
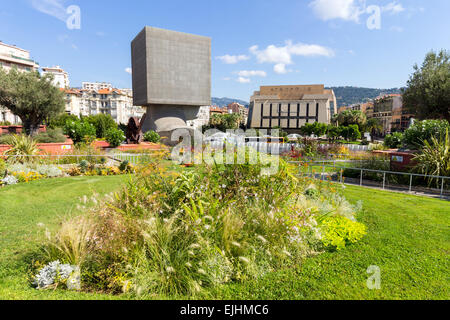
column 180, row 233
column 27, row 177
column 340, row 231
column 56, row 273
column 9, row 180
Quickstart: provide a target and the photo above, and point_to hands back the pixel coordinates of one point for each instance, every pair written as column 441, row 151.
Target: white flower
column 244, row 259
column 170, row 270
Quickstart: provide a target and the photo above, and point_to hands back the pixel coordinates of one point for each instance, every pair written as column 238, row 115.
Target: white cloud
column 243, row 80
column 282, row 56
column 393, row 7
column 100, row 34
column 326, row 10
column 252, row 73
column 128, row 70
column 229, row 59
column 280, row 68
column 54, row 8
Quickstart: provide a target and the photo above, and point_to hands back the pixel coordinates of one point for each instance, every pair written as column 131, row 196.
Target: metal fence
column 62, row 159
column 280, row 148
column 414, row 183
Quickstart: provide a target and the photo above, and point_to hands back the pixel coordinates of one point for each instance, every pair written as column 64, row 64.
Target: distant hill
column 350, row 95
column 223, row 102
column 345, row 96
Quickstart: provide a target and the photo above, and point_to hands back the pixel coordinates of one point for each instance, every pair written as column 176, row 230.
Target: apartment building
column 60, row 77
column 115, row 102
column 239, row 108
column 14, row 57
column 96, row 86
column 291, row 107
column 388, row 109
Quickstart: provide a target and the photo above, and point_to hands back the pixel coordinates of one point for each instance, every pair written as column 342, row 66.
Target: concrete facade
column 171, row 77
column 290, row 107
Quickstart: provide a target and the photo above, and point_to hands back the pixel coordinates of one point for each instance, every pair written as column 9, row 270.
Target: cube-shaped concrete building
column 171, row 77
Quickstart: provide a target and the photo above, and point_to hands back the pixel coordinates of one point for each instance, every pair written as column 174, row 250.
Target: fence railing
column 61, row 159
column 390, row 180
column 280, row 148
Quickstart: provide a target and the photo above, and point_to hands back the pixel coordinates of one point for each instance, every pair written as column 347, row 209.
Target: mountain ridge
column 345, row 95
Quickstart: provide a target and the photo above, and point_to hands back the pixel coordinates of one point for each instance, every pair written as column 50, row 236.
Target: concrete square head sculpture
column 171, row 77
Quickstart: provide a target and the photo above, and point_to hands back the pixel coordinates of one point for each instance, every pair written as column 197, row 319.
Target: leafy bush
column 21, row 147
column 340, row 231
column 181, row 233
column 152, row 136
column 80, row 131
column 102, row 124
column 2, row 167
column 115, row 137
column 51, row 136
column 9, row 180
column 434, row 158
column 60, row 121
column 422, row 131
column 350, row 133
column 5, row 139
column 43, row 170
column 394, row 140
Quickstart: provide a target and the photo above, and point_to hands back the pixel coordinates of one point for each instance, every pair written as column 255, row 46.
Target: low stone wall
column 17, row 129
column 47, row 148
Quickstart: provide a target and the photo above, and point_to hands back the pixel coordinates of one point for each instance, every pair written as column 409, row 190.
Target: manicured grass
column 408, row 238
column 22, row 208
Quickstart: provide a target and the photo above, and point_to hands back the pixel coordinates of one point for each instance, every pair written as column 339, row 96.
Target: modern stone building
column 171, row 77
column 291, row 107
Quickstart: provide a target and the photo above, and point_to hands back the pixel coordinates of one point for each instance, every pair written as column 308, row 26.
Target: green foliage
column 340, row 231
column 60, row 121
column 428, row 90
column 80, row 131
column 51, row 136
column 183, row 233
column 351, row 117
column 350, row 133
column 21, row 146
column 434, row 158
column 421, row 131
column 5, row 123
column 31, row 97
column 2, row 167
column 316, row 128
column 102, row 124
column 223, row 122
column 6, row 138
column 115, row 137
column 394, row 140
column 152, row 136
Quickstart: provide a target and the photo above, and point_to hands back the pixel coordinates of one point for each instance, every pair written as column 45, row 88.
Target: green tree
column 351, row 132
column 349, row 117
column 30, row 96
column 421, row 131
column 373, row 126
column 102, row 123
column 333, row 132
column 223, row 122
column 427, row 94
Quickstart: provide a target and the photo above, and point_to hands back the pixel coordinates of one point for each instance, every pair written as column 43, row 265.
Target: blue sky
column 254, row 42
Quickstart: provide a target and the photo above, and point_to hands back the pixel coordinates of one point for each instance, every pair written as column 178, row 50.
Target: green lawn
column 408, row 238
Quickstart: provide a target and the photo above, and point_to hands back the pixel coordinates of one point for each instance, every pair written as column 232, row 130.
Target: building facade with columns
column 291, row 107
